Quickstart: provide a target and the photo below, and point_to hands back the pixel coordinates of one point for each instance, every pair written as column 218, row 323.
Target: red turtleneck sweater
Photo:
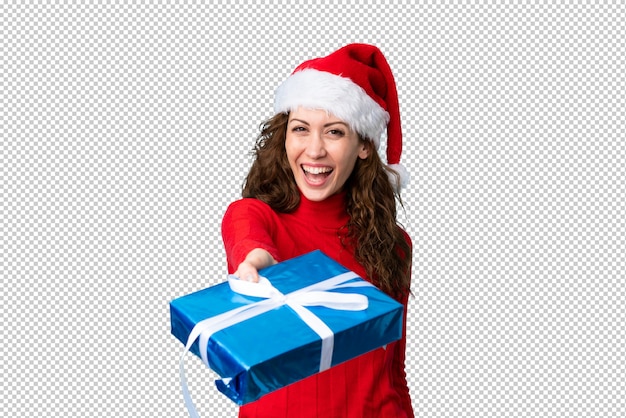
column 370, row 386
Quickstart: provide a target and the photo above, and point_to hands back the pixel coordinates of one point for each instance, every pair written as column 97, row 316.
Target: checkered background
column 126, row 129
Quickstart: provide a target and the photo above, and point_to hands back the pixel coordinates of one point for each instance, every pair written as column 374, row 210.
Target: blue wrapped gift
column 310, row 314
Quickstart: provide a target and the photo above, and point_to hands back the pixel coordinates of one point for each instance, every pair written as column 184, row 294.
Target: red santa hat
column 356, row 85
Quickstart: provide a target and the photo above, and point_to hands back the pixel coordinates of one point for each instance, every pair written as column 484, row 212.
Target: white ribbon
column 318, row 294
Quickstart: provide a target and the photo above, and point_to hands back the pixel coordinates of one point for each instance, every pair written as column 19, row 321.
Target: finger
column 249, row 275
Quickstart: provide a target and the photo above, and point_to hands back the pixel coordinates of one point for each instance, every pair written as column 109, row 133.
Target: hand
column 255, row 260
column 246, row 271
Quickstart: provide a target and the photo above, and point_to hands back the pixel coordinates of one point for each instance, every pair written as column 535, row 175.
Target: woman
column 317, row 182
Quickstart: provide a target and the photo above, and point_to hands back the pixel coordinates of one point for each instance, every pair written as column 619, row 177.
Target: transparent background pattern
column 126, row 129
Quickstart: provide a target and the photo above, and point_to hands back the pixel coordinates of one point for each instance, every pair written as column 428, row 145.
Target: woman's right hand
column 246, row 271
column 249, row 268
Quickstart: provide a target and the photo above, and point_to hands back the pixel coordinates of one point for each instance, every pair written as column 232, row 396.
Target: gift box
column 310, row 314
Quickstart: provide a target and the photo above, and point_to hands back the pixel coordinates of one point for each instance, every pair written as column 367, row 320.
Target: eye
column 336, row 132
column 298, row 129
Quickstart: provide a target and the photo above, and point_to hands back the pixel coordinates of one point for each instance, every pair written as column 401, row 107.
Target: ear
column 364, row 150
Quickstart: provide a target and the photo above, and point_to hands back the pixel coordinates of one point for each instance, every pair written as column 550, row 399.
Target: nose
column 315, row 146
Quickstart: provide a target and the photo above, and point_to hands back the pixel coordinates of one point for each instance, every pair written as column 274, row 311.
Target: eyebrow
column 326, row 125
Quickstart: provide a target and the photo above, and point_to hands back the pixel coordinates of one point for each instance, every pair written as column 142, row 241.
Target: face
column 322, row 151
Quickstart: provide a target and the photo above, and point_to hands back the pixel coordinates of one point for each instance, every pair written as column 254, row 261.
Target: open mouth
column 316, row 175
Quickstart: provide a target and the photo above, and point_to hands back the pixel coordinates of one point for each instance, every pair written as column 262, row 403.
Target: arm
column 398, row 364
column 399, row 358
column 248, row 229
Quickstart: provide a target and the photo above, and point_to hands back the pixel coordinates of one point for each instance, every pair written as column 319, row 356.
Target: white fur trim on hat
column 313, row 89
column 403, row 174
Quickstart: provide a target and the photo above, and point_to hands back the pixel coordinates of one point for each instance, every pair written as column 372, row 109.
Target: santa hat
column 356, row 85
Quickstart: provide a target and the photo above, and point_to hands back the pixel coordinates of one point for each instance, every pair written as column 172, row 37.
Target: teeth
column 317, row 170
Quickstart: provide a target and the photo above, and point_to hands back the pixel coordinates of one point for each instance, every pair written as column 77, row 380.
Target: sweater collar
column 328, row 213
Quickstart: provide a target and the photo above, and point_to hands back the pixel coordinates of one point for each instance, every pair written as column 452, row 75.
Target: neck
column 328, row 213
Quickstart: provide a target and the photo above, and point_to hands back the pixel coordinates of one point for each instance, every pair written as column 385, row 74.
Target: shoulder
column 249, row 208
column 248, row 203
column 406, row 236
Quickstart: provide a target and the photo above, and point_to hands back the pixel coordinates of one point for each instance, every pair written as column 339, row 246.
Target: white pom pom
column 402, row 173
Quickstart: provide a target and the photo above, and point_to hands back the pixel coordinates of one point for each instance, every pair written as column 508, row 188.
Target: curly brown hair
column 379, row 243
